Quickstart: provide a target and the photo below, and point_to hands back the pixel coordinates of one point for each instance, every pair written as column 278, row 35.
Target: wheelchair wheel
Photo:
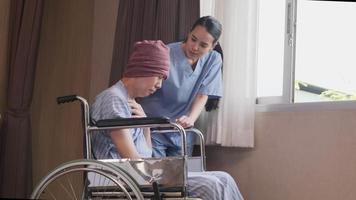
column 87, row 179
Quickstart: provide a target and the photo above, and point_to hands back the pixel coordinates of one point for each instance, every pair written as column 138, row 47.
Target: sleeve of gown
column 212, row 83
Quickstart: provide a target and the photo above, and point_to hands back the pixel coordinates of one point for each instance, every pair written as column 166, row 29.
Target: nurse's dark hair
column 212, row 25
column 213, row 102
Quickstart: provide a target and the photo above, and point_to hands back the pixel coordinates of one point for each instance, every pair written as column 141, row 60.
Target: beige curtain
column 233, row 123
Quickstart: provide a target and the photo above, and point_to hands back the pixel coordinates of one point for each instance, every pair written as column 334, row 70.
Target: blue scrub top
column 178, row 92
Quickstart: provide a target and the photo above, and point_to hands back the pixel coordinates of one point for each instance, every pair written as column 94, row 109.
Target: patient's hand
column 185, row 121
column 136, row 109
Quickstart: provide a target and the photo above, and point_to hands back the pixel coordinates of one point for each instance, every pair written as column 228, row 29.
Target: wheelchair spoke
column 65, row 189
column 88, row 178
column 51, row 194
column 71, row 188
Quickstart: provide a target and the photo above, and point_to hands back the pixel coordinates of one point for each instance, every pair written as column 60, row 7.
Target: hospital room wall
column 297, row 155
column 74, row 57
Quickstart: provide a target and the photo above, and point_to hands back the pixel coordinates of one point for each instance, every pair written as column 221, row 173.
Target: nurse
column 194, row 77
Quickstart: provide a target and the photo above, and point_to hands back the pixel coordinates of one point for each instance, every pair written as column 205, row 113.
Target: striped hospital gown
column 112, row 103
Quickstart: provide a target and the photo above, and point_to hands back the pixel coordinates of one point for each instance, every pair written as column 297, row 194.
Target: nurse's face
column 146, row 86
column 198, row 43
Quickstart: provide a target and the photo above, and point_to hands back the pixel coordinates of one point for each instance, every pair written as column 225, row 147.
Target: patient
column 147, row 67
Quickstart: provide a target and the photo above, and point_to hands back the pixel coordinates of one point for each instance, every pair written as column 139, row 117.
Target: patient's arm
column 124, row 143
column 147, row 134
column 198, row 104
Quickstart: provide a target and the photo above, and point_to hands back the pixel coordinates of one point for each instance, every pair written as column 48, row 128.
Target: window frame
column 288, row 58
column 287, row 97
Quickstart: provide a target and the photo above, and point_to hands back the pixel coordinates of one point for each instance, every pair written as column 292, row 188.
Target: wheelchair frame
column 118, row 175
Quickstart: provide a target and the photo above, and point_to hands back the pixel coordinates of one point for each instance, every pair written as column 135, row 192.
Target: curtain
column 233, row 123
column 15, row 136
column 149, row 19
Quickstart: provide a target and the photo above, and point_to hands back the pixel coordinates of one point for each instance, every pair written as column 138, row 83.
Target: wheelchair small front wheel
column 87, row 179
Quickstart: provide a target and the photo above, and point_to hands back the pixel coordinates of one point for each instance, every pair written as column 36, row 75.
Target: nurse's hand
column 136, row 109
column 185, row 121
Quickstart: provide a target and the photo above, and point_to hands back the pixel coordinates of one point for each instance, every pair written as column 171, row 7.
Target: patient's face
column 147, row 85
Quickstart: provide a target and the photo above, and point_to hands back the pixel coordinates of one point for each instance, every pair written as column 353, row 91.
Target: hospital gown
column 113, row 103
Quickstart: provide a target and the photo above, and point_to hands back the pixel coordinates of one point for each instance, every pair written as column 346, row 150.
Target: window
column 306, row 51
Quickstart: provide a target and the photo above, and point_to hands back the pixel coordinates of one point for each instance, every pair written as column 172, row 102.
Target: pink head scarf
column 149, row 58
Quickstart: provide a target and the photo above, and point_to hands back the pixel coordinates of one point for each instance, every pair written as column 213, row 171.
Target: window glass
column 325, row 62
column 270, row 48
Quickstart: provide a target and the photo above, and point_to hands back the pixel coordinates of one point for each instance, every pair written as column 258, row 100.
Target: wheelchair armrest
column 132, row 121
column 161, row 129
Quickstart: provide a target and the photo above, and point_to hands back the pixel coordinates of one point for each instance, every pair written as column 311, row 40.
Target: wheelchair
column 145, row 178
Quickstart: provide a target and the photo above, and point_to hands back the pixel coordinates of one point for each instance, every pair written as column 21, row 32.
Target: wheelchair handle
column 67, row 99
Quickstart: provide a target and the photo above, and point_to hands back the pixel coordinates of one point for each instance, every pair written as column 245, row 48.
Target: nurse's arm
column 124, row 143
column 197, row 106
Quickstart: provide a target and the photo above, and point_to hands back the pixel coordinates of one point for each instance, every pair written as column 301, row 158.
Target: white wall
column 298, row 155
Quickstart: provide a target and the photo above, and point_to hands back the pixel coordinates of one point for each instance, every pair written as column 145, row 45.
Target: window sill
column 308, row 106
